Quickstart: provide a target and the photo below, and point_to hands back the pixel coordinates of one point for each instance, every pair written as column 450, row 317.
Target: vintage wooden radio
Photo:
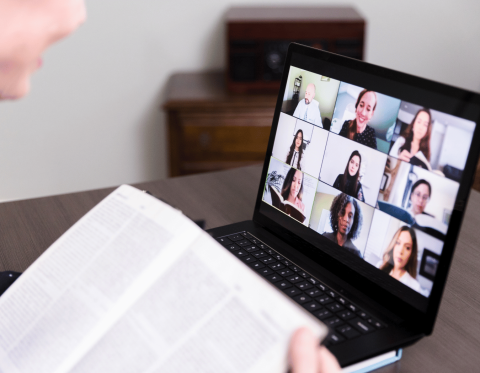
column 258, row 39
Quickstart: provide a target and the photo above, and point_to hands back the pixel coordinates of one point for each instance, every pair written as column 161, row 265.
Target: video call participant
column 416, row 139
column 307, row 109
column 419, row 196
column 346, row 220
column 400, row 258
column 348, row 182
column 294, row 156
column 292, row 189
column 358, row 129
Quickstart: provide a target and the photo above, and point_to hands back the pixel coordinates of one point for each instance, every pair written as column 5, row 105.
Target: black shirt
column 367, row 137
column 358, row 193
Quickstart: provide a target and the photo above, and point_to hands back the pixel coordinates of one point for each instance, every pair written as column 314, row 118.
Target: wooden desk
column 210, row 129
column 29, row 227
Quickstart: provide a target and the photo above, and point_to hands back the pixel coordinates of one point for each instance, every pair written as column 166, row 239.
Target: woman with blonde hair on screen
column 400, row 258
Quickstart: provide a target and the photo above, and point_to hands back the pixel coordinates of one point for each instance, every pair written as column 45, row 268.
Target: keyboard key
column 333, row 322
column 335, row 339
column 324, row 299
column 304, row 285
column 265, row 271
column 352, row 308
column 302, row 298
column 363, row 314
column 314, row 293
column 270, row 251
column 312, row 306
column 313, row 281
column 348, row 331
column 322, row 287
column 274, row 277
column 240, row 253
column 243, row 243
column 283, row 284
column 254, row 241
column 262, row 246
column 323, row 314
column 235, row 237
column 259, row 254
column 293, row 291
column 256, row 265
column 286, row 262
column 304, row 274
column 332, row 294
column 346, row 314
column 247, row 235
column 276, row 266
column 224, row 240
column 375, row 323
column 250, row 248
column 294, row 279
column 335, row 307
column 284, row 272
column 341, row 300
column 278, row 256
column 361, row 325
column 232, row 247
column 295, row 268
column 248, row 259
column 268, row 260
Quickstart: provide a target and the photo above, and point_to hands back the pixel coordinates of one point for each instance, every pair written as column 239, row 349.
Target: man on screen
column 308, row 109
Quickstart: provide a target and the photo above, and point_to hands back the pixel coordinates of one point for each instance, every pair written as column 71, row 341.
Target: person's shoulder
column 350, row 246
column 329, row 235
column 399, row 142
column 316, row 103
column 408, row 280
column 370, row 130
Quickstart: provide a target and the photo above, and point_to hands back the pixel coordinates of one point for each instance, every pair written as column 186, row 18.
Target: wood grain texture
column 30, row 226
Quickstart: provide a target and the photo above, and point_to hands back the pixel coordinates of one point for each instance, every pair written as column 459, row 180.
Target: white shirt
column 309, row 113
column 410, row 282
column 294, row 161
column 395, row 152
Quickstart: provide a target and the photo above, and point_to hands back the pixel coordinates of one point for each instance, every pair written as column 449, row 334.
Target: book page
column 136, row 286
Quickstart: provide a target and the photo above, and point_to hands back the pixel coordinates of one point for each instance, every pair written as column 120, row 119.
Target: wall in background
column 93, row 118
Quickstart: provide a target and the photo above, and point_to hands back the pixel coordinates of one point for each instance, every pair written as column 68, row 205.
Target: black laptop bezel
column 421, row 320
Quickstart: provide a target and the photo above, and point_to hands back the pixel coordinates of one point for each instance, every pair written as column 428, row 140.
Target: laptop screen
column 372, row 166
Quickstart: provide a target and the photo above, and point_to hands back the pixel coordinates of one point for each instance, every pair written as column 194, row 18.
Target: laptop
column 363, row 190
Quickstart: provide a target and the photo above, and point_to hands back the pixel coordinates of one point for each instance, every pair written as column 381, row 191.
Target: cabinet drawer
column 233, row 143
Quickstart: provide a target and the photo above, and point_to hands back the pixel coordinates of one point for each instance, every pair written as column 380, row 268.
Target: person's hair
column 292, row 148
column 287, row 184
column 424, row 142
column 419, row 182
column 339, row 204
column 346, row 174
column 411, row 266
column 352, row 126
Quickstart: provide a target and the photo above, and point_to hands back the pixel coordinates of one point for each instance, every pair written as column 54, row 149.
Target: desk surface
column 29, row 227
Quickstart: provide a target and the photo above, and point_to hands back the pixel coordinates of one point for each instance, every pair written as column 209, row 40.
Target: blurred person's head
column 309, row 93
column 27, row 28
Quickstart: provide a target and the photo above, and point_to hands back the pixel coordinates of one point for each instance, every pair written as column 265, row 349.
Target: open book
column 135, row 286
column 286, row 206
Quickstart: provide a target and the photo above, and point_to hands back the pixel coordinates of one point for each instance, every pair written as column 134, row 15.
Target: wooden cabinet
column 209, row 129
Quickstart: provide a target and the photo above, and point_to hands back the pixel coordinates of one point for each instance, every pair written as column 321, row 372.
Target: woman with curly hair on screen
column 400, row 258
column 346, row 219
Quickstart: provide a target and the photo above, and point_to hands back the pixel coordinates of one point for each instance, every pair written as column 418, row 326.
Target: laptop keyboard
column 345, row 318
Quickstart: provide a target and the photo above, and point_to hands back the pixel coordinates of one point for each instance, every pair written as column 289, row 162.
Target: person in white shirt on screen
column 308, row 109
column 400, row 258
column 295, row 154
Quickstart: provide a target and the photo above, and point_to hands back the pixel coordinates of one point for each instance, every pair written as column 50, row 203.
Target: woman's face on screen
column 27, row 28
column 419, row 198
column 402, row 250
column 298, row 141
column 353, row 165
column 365, row 108
column 420, row 126
column 296, row 184
column 345, row 220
